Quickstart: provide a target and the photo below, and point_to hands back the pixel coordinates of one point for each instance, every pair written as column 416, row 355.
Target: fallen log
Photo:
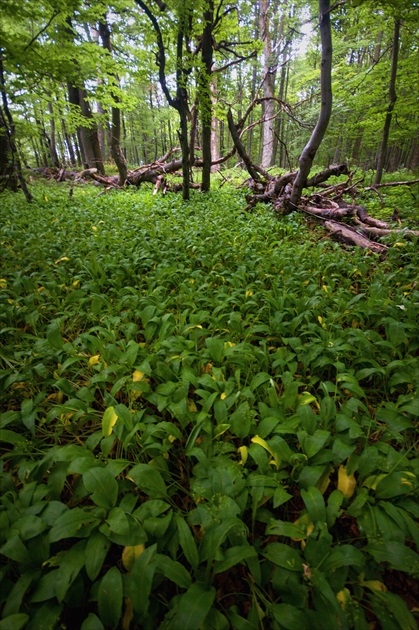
column 376, row 231
column 346, row 234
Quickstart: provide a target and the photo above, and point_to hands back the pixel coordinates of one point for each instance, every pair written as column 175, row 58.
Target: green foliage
column 208, row 417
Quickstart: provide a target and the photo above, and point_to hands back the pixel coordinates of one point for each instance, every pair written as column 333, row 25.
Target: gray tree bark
column 310, row 150
column 392, row 101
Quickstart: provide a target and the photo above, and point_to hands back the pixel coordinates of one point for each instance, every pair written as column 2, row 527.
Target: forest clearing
column 209, row 309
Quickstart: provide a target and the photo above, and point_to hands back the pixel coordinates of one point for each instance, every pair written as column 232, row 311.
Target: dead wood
column 376, row 231
column 408, row 183
column 346, row 234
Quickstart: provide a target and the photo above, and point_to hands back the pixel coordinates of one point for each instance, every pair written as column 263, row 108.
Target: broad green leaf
column 215, row 348
column 15, row 549
column 284, row 556
column 397, row 555
column 283, row 528
column 118, row 521
column 240, row 420
column 102, row 487
column 174, row 571
column 139, row 586
column 148, row 480
column 70, row 565
column 258, row 380
column 110, row 598
column 70, row 523
column 187, row 542
column 314, row 502
column 45, row 588
column 54, row 336
column 396, row 484
column 92, row 622
column 343, row 556
column 233, row 556
column 334, row 503
column 193, row 607
column 95, row 553
column 312, row 444
column 389, row 607
column 14, row 622
column 289, row 617
column 46, row 616
column 10, row 437
column 215, row 536
column 15, row 597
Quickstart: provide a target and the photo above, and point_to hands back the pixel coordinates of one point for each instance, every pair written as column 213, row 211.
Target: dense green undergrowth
column 208, row 418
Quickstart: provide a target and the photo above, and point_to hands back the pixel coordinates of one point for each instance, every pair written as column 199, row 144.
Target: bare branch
column 54, row 15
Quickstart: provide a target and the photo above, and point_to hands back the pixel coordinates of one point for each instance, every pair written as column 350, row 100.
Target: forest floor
column 208, row 415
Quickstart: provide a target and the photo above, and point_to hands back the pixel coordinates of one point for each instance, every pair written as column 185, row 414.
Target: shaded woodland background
column 85, row 84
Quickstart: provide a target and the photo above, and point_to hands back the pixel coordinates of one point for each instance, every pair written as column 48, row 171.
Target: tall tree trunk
column 52, row 138
column 10, row 165
column 205, row 93
column 180, row 102
column 215, row 126
column 310, row 150
column 87, row 135
column 269, row 73
column 255, row 68
column 116, row 151
column 392, row 100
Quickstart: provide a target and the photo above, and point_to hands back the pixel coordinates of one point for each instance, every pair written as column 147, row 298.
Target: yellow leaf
column 94, row 228
column 76, row 283
column 248, row 294
column 229, row 344
column 265, row 445
column 343, row 597
column 61, row 259
column 191, row 405
column 325, row 288
column 223, row 395
column 375, row 585
column 10, row 301
column 346, row 483
column 137, row 376
column 128, row 614
column 94, row 360
column 399, row 244
column 130, row 554
column 46, row 198
column 323, row 483
column 108, row 421
column 243, row 454
column 3, row 283
column 373, row 480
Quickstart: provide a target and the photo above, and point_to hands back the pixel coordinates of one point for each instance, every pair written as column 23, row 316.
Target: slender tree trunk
column 215, row 126
column 269, row 74
column 10, row 165
column 255, row 68
column 310, row 150
column 116, row 152
column 392, row 100
column 205, row 93
column 52, row 139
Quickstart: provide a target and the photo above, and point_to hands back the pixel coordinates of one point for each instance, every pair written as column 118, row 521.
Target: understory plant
column 208, row 418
